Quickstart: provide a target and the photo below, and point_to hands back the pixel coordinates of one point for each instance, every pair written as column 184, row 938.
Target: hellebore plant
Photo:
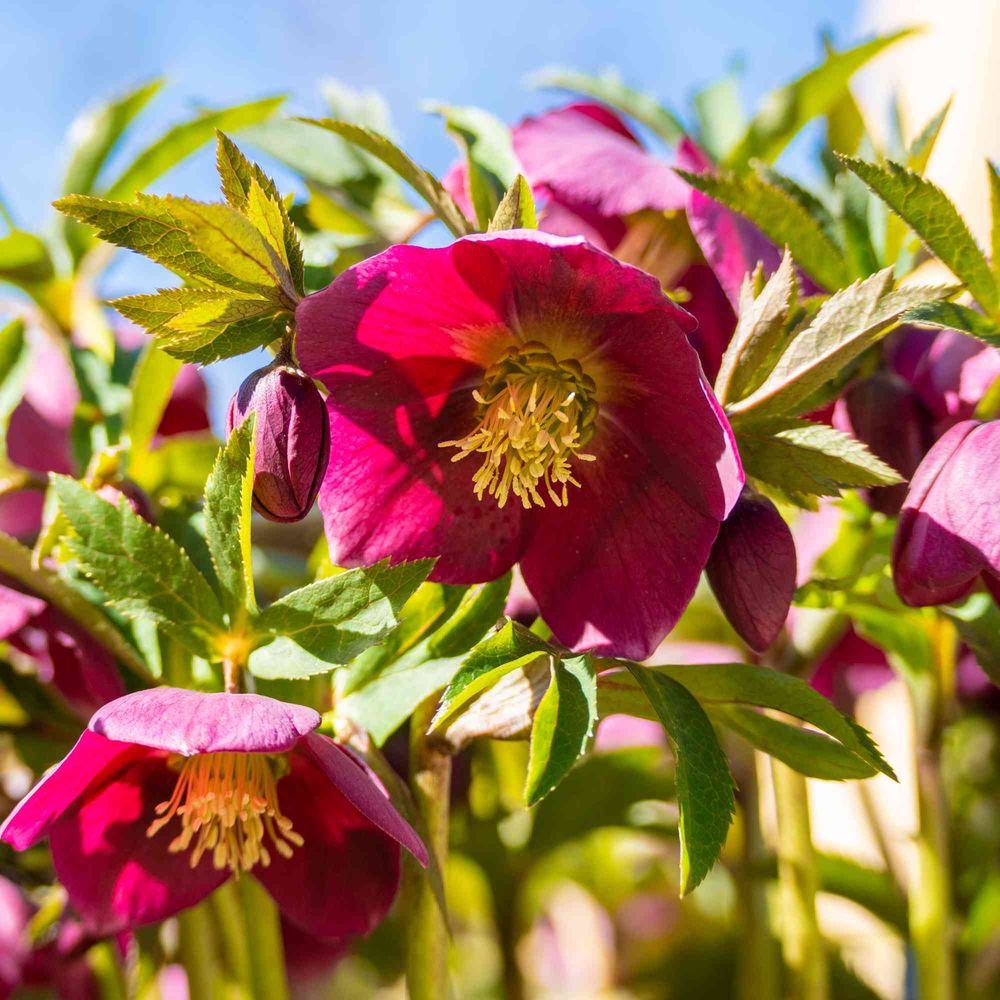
column 523, row 398
column 169, row 793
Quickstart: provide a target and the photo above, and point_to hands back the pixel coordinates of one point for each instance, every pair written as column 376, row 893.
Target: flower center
column 227, row 803
column 535, row 414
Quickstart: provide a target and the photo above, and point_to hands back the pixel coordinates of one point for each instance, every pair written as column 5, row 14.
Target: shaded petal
column 344, row 877
column 91, row 759
column 16, row 607
column 21, row 513
column 359, row 785
column 716, row 320
column 954, row 374
column 614, row 570
column 116, row 876
column 585, row 155
column 191, row 722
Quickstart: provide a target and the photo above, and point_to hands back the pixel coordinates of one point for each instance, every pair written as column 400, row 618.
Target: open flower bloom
column 592, row 178
column 949, row 528
column 168, row 793
column 80, row 669
column 519, row 397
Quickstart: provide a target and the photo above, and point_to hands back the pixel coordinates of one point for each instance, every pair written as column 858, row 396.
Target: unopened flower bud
column 752, row 570
column 136, row 497
column 292, row 439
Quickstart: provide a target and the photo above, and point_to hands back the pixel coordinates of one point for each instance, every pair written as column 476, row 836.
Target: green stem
column 228, row 911
column 758, row 966
column 198, row 953
column 801, row 941
column 263, row 941
column 427, row 932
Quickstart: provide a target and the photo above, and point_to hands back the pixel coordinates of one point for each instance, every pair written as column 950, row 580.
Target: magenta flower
column 948, row 536
column 80, row 669
column 752, row 570
column 292, row 439
column 517, row 397
column 592, row 178
column 168, row 793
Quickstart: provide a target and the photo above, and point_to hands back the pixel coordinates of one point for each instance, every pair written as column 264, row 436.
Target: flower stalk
column 427, row 930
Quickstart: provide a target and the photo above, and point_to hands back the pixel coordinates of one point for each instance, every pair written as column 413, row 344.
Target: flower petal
column 191, row 722
column 359, row 785
column 92, row 758
column 116, row 876
column 614, row 569
column 585, row 155
column 344, row 877
column 16, row 607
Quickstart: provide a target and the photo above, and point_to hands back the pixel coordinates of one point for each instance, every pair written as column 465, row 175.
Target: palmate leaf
column 516, row 209
column 802, row 457
column 611, row 91
column 425, row 184
column 705, row 791
column 848, row 323
column 489, row 154
column 781, row 217
column 927, row 210
column 562, row 726
column 787, row 110
column 953, row 316
column 143, row 572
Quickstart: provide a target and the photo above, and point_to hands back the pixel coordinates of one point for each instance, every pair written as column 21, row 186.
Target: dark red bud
column 137, row 498
column 884, row 413
column 292, row 439
column 752, row 570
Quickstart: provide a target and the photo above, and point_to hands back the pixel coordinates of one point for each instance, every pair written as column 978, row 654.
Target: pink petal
column 16, row 608
column 344, row 877
column 359, row 785
column 191, row 722
column 614, row 570
column 93, row 758
column 709, row 305
column 585, row 156
column 115, row 875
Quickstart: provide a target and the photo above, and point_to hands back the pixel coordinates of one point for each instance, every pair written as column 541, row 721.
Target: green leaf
column 337, row 618
column 24, row 258
column 977, row 619
column 388, row 698
column 994, row 176
column 810, row 753
column 228, row 495
column 611, row 91
column 16, row 561
column 927, row 210
column 150, row 387
column 498, row 654
column 808, row 458
column 182, row 140
column 517, row 208
column 489, row 152
column 787, row 110
column 149, row 227
column 425, row 184
column 781, row 217
column 249, row 190
column 760, row 329
column 720, row 115
column 848, row 323
column 953, row 316
column 704, row 785
column 178, row 467
column 229, row 239
column 563, row 724
column 15, row 360
column 96, row 133
column 143, row 572
column 200, row 325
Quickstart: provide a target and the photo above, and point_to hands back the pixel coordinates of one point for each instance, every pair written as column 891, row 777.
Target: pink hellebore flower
column 169, row 792
column 949, row 528
column 518, row 397
column 80, row 669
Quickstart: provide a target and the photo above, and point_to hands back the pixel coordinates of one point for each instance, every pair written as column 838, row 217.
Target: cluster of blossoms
column 529, row 398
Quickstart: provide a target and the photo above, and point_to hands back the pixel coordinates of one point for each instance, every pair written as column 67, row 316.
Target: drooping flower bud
column 292, row 439
column 885, row 413
column 949, row 528
column 752, row 569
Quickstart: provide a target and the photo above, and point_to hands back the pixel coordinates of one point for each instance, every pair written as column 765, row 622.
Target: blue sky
column 55, row 57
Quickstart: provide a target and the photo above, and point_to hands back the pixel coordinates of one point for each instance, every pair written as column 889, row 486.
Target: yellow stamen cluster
column 535, row 414
column 227, row 803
